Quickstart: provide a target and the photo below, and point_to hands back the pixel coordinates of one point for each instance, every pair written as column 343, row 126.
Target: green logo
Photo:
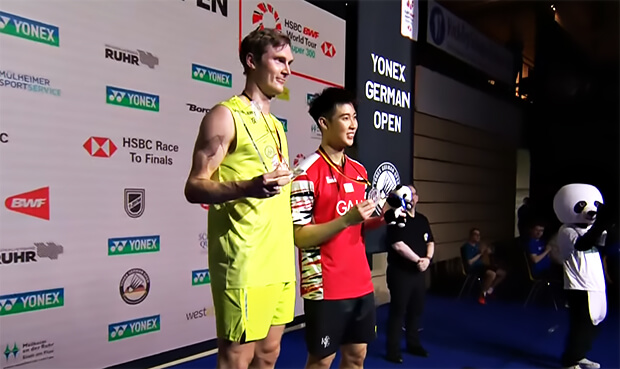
column 11, row 351
column 131, row 99
column 133, row 245
column 200, row 277
column 31, row 301
column 132, row 328
column 210, row 75
column 13, row 25
column 284, row 123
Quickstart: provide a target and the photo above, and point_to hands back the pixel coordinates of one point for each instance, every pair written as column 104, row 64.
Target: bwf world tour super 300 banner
column 102, row 260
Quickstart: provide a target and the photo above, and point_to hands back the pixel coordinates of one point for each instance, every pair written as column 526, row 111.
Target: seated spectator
column 541, row 264
column 478, row 259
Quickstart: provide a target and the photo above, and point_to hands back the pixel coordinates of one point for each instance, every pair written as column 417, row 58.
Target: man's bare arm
column 313, row 235
column 215, row 137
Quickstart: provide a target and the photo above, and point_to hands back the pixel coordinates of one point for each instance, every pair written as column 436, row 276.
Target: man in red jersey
column 330, row 214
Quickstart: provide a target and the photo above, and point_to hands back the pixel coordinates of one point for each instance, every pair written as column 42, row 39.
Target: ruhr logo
column 35, row 203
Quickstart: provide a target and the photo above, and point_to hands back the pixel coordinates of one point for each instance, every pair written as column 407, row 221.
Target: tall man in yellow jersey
column 240, row 168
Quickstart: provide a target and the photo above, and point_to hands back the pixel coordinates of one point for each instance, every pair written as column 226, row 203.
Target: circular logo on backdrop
column 135, row 286
column 385, row 179
column 265, row 16
column 437, row 25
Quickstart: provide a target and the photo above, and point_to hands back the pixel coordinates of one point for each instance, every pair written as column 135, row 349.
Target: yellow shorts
column 246, row 314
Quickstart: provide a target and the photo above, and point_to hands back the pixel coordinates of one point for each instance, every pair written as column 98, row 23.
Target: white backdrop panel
column 53, row 142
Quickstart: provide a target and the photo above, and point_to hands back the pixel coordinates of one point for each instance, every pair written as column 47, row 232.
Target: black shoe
column 417, row 351
column 394, row 358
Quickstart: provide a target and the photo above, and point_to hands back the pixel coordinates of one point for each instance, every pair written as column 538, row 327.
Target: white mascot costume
column 585, row 220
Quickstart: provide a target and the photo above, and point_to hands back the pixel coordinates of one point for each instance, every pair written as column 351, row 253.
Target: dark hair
column 324, row 104
column 257, row 41
column 471, row 231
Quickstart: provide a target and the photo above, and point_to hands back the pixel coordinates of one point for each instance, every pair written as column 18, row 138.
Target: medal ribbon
column 278, row 143
column 339, row 170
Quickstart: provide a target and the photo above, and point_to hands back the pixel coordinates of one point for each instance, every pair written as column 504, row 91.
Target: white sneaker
column 585, row 363
column 573, row 367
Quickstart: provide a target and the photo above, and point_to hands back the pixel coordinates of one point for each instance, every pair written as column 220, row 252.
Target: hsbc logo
column 328, row 49
column 35, row 203
column 100, row 147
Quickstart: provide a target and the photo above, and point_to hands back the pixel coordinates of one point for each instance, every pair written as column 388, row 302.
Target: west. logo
column 133, row 245
column 132, row 328
column 31, row 301
column 131, row 99
column 13, row 25
column 210, row 75
column 200, row 277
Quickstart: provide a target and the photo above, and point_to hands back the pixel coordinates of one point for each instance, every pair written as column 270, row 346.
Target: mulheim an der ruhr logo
column 131, row 99
column 28, row 82
column 133, row 245
column 132, row 328
column 25, row 302
column 14, row 25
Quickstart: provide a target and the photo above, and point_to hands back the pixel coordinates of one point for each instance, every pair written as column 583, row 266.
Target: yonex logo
column 13, row 25
column 133, row 245
column 132, row 328
column 31, row 301
column 200, row 277
column 131, row 99
column 210, row 75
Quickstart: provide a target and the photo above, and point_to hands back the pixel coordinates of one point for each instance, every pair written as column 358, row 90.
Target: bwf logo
column 34, row 203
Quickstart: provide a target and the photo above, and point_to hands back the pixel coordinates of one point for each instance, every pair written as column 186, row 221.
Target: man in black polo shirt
column 410, row 252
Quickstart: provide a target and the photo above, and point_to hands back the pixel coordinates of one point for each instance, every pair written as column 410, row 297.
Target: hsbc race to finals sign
column 385, row 73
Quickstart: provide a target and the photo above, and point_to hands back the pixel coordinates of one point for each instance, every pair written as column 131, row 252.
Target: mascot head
column 577, row 203
column 401, row 196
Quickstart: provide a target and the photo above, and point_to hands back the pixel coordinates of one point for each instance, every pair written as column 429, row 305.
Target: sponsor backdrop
column 385, row 72
column 102, row 260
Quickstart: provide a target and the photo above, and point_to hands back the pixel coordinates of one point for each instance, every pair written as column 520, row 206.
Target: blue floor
column 463, row 334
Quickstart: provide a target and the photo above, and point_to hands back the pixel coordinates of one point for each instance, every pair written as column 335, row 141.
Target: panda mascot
column 399, row 201
column 585, row 220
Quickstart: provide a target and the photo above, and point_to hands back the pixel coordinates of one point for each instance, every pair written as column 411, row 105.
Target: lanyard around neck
column 278, row 143
column 340, row 170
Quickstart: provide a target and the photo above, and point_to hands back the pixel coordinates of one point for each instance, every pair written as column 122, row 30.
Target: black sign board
column 384, row 85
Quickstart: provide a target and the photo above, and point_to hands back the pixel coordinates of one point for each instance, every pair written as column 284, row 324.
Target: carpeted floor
column 463, row 334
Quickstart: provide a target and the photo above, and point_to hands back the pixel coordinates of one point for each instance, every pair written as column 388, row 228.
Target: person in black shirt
column 410, row 252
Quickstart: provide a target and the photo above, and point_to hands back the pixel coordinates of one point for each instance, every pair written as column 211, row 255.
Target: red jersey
column 338, row 269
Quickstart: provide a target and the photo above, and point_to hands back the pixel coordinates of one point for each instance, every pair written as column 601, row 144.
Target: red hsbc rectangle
column 35, row 203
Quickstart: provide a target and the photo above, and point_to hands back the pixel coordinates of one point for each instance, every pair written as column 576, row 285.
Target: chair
column 537, row 284
column 470, row 279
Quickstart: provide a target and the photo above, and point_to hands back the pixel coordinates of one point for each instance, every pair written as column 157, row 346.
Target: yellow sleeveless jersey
column 251, row 240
